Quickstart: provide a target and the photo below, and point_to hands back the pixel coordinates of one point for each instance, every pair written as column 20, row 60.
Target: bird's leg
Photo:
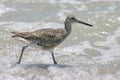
column 21, row 54
column 53, row 57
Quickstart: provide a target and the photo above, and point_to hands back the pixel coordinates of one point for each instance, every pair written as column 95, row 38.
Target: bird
column 47, row 38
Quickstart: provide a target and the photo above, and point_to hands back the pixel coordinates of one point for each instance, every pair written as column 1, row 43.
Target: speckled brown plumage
column 46, row 38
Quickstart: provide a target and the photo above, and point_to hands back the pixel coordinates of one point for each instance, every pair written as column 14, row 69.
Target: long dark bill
column 84, row 23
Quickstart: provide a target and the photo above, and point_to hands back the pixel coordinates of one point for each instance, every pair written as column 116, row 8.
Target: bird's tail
column 17, row 34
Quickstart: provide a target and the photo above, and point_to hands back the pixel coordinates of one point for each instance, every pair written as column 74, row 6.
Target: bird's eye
column 73, row 18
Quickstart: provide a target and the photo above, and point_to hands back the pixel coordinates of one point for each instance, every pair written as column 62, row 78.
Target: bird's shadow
column 42, row 66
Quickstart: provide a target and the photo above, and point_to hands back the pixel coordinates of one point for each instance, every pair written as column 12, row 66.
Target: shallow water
column 89, row 53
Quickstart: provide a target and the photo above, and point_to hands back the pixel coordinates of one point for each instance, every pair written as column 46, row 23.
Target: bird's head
column 72, row 19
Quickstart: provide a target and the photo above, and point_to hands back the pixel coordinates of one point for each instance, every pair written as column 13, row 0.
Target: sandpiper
column 47, row 38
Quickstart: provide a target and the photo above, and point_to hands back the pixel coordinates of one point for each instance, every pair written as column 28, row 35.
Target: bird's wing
column 34, row 34
column 44, row 37
column 47, row 37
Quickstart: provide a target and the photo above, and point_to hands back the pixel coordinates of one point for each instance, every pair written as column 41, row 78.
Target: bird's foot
column 55, row 62
column 17, row 62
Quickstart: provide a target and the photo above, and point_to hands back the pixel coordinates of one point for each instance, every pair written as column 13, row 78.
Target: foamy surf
column 87, row 54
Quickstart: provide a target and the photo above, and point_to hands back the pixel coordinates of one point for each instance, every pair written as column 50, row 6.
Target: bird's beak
column 83, row 23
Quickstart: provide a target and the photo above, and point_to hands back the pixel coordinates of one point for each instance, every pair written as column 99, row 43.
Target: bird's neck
column 68, row 27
